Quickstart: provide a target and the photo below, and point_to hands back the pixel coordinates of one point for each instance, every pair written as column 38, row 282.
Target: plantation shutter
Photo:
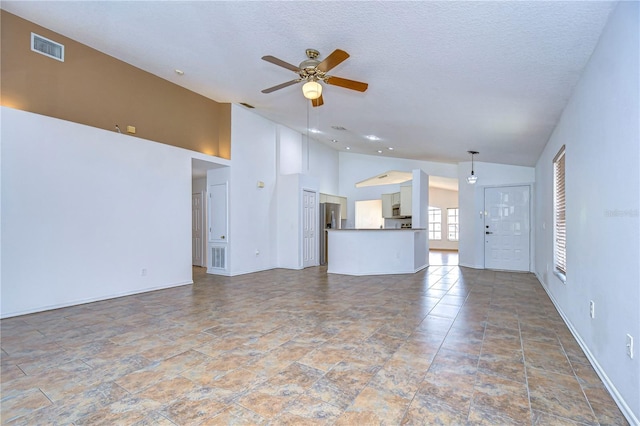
column 560, row 222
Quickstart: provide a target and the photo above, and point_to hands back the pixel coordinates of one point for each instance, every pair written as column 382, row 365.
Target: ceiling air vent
column 47, row 47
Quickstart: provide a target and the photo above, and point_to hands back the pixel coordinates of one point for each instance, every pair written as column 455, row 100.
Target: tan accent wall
column 95, row 89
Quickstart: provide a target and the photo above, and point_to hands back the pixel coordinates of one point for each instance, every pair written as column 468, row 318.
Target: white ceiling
column 444, row 77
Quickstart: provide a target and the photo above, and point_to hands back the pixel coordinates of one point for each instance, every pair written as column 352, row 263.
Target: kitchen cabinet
column 343, row 207
column 327, row 198
column 405, row 201
column 402, row 198
column 387, row 203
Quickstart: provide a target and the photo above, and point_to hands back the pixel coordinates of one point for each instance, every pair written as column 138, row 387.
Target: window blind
column 560, row 222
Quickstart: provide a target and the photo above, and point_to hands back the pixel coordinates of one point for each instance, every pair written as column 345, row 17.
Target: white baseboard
column 90, row 300
column 619, row 400
column 466, row 265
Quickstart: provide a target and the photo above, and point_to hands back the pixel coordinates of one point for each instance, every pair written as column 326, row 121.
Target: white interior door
column 218, row 213
column 197, row 235
column 507, row 228
column 309, row 229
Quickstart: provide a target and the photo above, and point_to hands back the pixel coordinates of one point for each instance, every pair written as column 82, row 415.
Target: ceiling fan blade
column 332, row 60
column 348, row 84
column 280, row 86
column 280, row 63
column 317, row 102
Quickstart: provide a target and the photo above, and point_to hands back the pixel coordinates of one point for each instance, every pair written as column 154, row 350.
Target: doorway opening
column 443, row 221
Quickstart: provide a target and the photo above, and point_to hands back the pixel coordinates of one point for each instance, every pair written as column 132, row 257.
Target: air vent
column 218, row 257
column 47, row 47
column 247, row 105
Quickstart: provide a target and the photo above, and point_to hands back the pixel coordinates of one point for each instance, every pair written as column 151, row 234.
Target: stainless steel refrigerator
column 329, row 219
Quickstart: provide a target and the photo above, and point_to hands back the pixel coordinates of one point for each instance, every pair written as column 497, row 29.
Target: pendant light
column 472, row 178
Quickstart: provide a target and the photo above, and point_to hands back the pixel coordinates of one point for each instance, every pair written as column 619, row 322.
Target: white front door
column 507, row 228
column 309, row 234
column 196, row 229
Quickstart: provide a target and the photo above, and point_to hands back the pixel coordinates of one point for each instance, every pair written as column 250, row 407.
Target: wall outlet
column 257, row 252
column 592, row 309
column 630, row 346
column 143, row 272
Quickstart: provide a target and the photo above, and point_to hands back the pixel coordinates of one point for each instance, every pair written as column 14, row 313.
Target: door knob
column 222, row 236
column 488, row 232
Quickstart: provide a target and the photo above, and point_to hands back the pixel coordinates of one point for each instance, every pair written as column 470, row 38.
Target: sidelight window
column 559, row 216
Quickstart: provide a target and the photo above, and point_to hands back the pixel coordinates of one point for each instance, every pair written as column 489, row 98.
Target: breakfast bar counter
column 377, row 251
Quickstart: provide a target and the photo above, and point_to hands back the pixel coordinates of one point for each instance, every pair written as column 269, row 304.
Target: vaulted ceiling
column 444, row 77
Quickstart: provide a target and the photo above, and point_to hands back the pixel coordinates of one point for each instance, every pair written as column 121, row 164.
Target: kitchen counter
column 377, row 251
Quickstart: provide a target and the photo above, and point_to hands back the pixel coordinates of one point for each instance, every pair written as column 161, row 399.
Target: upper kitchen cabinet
column 387, row 203
column 405, row 201
column 397, row 204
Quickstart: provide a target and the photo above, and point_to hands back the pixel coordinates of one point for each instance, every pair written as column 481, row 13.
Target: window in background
column 435, row 223
column 369, row 214
column 452, row 224
column 559, row 217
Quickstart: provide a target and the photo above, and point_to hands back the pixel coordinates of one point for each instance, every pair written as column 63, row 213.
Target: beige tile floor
column 447, row 345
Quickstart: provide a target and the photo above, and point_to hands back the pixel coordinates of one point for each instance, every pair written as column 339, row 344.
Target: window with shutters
column 559, row 216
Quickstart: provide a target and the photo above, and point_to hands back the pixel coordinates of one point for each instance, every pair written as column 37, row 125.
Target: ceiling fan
column 312, row 72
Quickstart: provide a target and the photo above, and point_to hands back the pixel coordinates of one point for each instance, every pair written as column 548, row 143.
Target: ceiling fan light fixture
column 312, row 90
column 472, row 178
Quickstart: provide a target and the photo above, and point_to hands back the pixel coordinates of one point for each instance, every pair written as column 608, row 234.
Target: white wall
column 471, row 203
column 297, row 154
column 276, row 155
column 86, row 210
column 600, row 129
column 358, row 167
column 252, row 210
column 443, row 199
column 323, row 165
column 290, row 151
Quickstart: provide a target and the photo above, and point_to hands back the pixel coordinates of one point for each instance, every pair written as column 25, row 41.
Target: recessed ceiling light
column 348, row 147
column 372, row 137
column 314, row 130
column 334, row 140
column 179, row 72
column 390, row 148
column 379, row 151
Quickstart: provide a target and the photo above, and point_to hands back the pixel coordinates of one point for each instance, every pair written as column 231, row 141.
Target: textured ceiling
column 444, row 77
